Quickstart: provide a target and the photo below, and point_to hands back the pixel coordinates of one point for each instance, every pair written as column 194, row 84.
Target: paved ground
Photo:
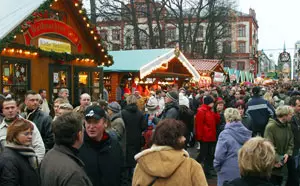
column 193, row 153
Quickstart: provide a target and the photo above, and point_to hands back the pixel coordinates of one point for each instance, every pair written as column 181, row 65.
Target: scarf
column 28, row 152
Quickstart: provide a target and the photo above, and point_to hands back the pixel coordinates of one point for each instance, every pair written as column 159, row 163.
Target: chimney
column 252, row 13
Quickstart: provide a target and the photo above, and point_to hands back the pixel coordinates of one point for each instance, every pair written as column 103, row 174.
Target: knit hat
column 208, row 100
column 114, row 106
column 152, row 103
column 183, row 100
column 172, row 95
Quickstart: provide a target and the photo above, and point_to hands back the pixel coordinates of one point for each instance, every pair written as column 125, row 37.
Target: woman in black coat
column 18, row 162
column 135, row 124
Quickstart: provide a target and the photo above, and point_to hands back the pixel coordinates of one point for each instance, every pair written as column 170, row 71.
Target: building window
column 227, row 47
column 116, row 34
column 228, row 32
column 103, row 34
column 241, row 31
column 171, row 34
column 15, row 76
column 241, row 65
column 199, row 48
column 241, row 47
column 227, row 64
column 200, row 33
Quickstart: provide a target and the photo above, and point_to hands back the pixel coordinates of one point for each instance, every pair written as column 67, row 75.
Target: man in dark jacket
column 295, row 124
column 39, row 118
column 100, row 152
column 171, row 110
column 61, row 166
column 260, row 111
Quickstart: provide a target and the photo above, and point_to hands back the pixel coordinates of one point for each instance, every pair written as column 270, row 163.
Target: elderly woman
column 256, row 160
column 18, row 162
column 166, row 162
column 230, row 141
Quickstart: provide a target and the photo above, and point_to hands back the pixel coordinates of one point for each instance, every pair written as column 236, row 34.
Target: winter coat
column 282, row 137
column 37, row 141
column 135, row 124
column 43, row 123
column 230, row 141
column 15, row 166
column 117, row 125
column 187, row 117
column 206, row 124
column 249, row 181
column 103, row 160
column 260, row 111
column 295, row 125
column 62, row 167
column 171, row 111
column 170, row 167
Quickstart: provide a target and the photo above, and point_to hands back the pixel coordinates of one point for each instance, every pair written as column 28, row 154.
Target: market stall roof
column 207, row 65
column 145, row 61
column 14, row 12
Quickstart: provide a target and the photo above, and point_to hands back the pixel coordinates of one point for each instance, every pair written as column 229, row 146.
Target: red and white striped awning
column 207, row 65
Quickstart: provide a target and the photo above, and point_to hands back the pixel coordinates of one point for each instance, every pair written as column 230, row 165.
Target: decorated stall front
column 238, row 76
column 50, row 44
column 145, row 70
column 210, row 71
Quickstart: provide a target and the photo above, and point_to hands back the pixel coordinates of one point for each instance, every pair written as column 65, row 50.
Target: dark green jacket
column 282, row 137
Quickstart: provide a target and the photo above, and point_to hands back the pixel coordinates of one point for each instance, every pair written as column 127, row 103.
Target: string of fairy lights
column 8, row 46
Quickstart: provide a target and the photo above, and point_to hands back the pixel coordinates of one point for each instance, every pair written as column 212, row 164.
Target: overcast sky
column 278, row 21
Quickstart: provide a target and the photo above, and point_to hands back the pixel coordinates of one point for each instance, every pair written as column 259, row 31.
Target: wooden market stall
column 51, row 45
column 210, row 70
column 144, row 70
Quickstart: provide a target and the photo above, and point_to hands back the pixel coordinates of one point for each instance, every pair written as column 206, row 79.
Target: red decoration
column 49, row 26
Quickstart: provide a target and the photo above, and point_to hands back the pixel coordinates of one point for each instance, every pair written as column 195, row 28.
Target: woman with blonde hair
column 230, row 141
column 256, row 161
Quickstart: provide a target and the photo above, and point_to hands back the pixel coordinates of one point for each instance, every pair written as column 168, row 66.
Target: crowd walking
column 245, row 135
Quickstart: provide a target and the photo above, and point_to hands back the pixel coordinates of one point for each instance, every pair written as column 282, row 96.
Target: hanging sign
column 56, row 46
column 50, row 26
column 219, row 77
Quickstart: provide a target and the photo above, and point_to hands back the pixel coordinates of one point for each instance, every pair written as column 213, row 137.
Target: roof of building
column 133, row 60
column 204, row 65
column 14, row 12
column 145, row 61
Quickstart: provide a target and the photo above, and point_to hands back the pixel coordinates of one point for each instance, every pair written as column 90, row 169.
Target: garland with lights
column 7, row 41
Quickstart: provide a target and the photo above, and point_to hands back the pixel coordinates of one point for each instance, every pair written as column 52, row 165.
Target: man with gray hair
column 85, row 101
column 279, row 132
column 63, row 93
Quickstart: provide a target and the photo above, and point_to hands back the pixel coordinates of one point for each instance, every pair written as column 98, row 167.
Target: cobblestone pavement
column 193, row 153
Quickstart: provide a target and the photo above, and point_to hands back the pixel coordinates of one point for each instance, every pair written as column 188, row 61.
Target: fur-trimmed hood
column 161, row 161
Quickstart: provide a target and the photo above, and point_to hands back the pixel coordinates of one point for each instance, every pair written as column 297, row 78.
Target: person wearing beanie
column 206, row 122
column 260, row 111
column 116, row 121
column 171, row 107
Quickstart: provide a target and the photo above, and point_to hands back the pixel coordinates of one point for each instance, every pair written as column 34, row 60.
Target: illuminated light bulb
column 109, row 62
column 99, row 44
column 15, row 36
column 105, row 56
column 102, row 64
column 88, row 25
column 50, row 5
column 22, row 30
column 12, row 50
column 4, row 49
column 77, row 59
column 76, row 4
column 80, row 11
column 20, row 51
column 86, row 60
column 93, row 60
column 35, row 53
column 84, row 18
column 102, row 50
column 92, row 31
column 27, row 53
column 55, row 0
column 95, row 38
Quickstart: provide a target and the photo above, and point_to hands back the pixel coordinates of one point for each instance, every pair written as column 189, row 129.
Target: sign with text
column 50, row 26
column 56, row 46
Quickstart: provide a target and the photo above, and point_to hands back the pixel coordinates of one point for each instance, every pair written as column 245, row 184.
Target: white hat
column 183, row 100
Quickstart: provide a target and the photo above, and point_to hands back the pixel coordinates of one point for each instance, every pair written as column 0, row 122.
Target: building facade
column 240, row 46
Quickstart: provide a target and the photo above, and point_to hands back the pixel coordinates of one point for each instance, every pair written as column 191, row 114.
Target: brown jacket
column 171, row 167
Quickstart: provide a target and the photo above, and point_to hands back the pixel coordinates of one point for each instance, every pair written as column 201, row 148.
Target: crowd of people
column 246, row 135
